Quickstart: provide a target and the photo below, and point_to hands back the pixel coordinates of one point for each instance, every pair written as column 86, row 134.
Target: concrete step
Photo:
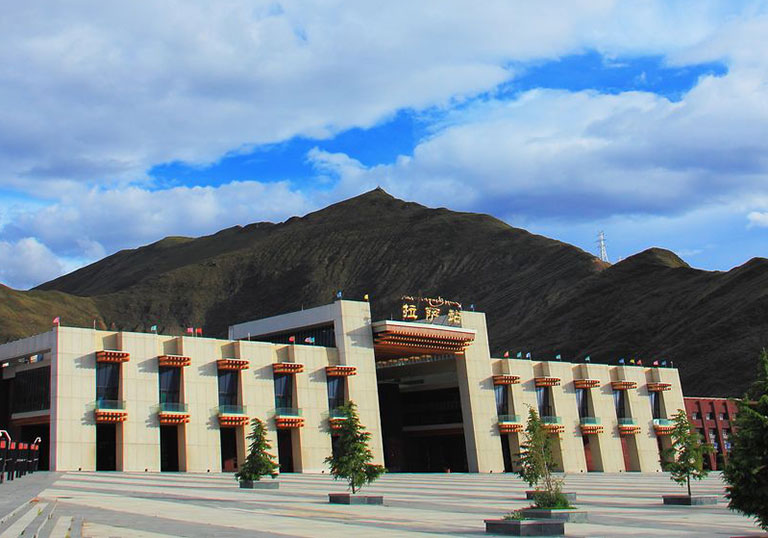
column 60, row 528
column 18, row 527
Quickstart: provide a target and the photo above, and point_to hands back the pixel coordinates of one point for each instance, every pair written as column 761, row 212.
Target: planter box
column 348, row 498
column 570, row 496
column 686, row 500
column 259, row 484
column 571, row 516
column 525, row 527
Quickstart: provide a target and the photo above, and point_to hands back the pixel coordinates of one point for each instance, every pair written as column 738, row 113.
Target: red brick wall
column 714, row 416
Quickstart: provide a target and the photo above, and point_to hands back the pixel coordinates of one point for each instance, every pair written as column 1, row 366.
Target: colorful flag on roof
column 587, row 359
column 631, row 361
column 519, row 354
column 309, row 340
column 655, row 363
column 57, row 320
column 153, row 328
column 528, row 355
column 190, row 330
column 292, row 339
column 558, row 357
column 621, row 361
column 506, row 354
column 199, row 331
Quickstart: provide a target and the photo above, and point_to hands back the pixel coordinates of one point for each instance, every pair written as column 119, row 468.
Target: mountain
column 540, row 295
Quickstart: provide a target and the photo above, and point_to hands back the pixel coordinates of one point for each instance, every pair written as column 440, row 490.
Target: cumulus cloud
column 586, row 155
column 93, row 222
column 27, row 262
column 100, row 92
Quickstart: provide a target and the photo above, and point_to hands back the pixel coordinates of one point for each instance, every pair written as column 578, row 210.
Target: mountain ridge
column 539, row 294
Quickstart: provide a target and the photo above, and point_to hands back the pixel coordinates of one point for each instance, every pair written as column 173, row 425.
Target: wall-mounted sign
column 431, row 310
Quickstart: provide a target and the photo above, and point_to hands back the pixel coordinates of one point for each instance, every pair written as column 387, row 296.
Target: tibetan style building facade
column 426, row 388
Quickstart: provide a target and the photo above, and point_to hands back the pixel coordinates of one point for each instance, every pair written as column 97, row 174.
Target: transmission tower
column 601, row 246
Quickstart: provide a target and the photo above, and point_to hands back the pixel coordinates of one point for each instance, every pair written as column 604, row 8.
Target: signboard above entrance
column 431, row 310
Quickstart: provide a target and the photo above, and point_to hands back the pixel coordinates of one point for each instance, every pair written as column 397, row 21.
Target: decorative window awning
column 663, row 426
column 547, row 381
column 506, row 379
column 232, row 364
column 585, row 383
column 112, row 356
column 403, row 338
column 628, row 426
column 340, row 371
column 231, row 421
column 287, row 368
column 173, row 361
column 659, row 387
column 110, row 416
column 623, row 385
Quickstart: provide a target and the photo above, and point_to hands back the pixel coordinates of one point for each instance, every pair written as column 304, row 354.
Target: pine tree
column 259, row 461
column 537, row 463
column 535, row 457
column 352, row 459
column 685, row 459
column 746, row 472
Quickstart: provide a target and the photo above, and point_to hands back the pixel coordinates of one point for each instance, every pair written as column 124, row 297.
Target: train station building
column 425, row 385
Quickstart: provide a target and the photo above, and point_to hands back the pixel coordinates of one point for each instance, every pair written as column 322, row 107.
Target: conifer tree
column 352, row 459
column 259, row 461
column 746, row 471
column 535, row 457
column 685, row 459
column 537, row 463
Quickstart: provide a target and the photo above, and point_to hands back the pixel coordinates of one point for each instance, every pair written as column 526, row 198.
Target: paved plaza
column 160, row 505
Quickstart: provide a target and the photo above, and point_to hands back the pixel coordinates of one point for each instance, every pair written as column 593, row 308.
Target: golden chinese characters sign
column 431, row 310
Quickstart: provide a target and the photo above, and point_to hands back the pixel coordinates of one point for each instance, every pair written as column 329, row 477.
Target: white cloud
column 758, row 219
column 28, row 262
column 587, row 155
column 100, row 92
column 91, row 223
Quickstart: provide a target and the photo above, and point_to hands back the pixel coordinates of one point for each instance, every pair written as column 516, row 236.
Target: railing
column 173, row 407
column 627, row 422
column 231, row 410
column 509, row 419
column 590, row 421
column 287, row 412
column 551, row 420
column 110, row 405
column 662, row 422
column 337, row 413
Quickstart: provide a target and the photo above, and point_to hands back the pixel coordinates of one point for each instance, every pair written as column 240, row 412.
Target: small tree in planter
column 746, row 472
column 551, row 508
column 259, row 462
column 352, row 459
column 537, row 463
column 685, row 460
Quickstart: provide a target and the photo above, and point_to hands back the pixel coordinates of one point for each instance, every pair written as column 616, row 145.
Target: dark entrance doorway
column 169, row 448
column 507, row 453
column 29, row 432
column 285, row 450
column 435, row 453
column 228, row 450
column 106, row 447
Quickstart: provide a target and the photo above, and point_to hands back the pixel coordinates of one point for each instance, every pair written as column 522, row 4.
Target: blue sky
column 125, row 124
